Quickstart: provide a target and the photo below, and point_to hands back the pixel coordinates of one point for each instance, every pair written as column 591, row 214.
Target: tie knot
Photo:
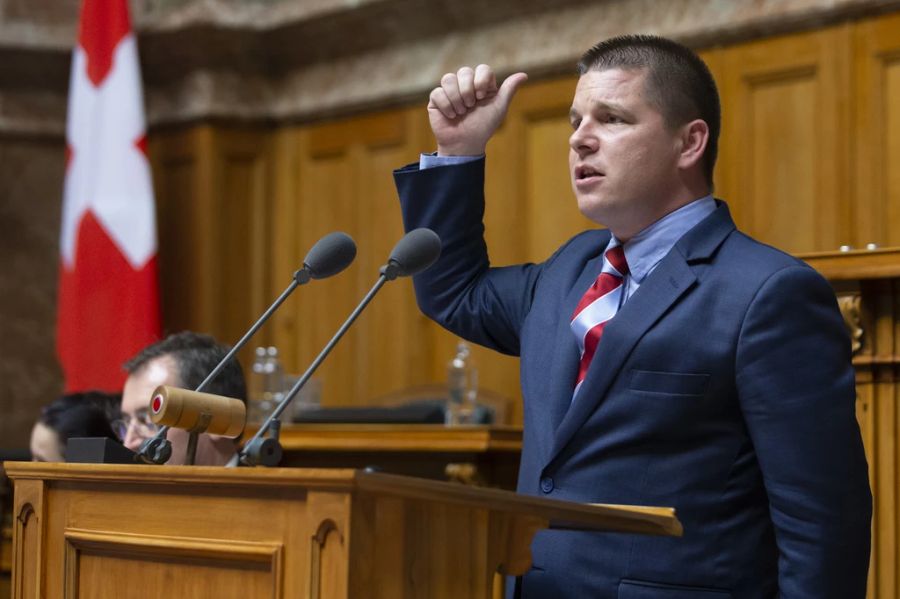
column 616, row 257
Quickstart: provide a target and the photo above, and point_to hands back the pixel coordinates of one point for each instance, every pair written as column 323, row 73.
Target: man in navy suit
column 666, row 360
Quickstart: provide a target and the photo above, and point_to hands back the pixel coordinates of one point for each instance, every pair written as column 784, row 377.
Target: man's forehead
column 614, row 89
column 612, row 79
column 159, row 369
column 141, row 383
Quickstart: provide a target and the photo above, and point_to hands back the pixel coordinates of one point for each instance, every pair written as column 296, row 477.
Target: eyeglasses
column 144, row 427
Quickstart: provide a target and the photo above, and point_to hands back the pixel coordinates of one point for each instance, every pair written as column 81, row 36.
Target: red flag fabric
column 108, row 284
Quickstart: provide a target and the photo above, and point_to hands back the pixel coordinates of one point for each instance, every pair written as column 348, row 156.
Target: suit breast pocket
column 668, row 383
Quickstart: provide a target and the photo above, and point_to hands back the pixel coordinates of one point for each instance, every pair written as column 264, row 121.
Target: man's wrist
column 460, row 150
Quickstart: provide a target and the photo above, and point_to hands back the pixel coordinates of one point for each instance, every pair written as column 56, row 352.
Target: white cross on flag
column 108, row 289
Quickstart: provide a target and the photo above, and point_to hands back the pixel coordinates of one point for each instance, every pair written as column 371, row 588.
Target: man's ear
column 693, row 138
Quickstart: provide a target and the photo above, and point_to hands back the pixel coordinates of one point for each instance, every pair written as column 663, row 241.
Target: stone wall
column 31, row 175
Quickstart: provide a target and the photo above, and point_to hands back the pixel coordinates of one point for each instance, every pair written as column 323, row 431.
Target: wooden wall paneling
column 344, row 182
column 879, row 417
column 884, row 485
column 182, row 167
column 391, row 350
column 551, row 213
column 240, row 208
column 787, row 103
column 286, row 251
column 213, row 222
column 888, row 484
column 724, row 173
column 865, row 415
column 877, row 125
column 325, row 204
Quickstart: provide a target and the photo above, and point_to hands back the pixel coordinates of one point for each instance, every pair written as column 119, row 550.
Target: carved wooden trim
column 465, row 473
column 317, row 544
column 855, row 265
column 850, row 310
column 29, row 519
column 26, row 516
column 79, row 541
column 171, row 546
column 511, row 537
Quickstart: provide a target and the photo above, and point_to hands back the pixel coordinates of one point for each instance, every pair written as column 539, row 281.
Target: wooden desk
column 131, row 532
column 487, row 454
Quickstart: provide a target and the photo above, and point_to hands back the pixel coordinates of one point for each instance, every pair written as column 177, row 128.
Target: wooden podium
column 123, row 532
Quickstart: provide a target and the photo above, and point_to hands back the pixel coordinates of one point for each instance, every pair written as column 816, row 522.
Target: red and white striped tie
column 597, row 307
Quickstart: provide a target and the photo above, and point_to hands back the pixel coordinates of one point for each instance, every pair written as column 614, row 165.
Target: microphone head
column 415, row 252
column 330, row 255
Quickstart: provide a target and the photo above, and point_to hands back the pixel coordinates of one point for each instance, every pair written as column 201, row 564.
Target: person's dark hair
column 195, row 356
column 81, row 415
column 678, row 82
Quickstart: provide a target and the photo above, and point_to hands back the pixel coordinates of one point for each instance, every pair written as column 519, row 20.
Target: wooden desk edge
column 429, row 438
column 561, row 514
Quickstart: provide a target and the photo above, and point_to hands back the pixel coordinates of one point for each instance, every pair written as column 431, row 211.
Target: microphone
column 329, row 256
column 416, row 251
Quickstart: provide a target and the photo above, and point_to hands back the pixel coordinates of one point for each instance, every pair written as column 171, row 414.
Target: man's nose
column 132, row 439
column 583, row 141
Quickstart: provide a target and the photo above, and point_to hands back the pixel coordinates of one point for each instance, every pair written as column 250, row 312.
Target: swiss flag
column 108, row 289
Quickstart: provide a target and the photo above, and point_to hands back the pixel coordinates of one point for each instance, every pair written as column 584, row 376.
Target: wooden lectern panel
column 113, row 567
column 97, row 532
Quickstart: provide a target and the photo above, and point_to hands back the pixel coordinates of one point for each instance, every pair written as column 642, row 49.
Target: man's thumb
column 510, row 85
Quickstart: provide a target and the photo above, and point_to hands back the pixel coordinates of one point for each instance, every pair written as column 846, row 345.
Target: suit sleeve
column 796, row 388
column 461, row 291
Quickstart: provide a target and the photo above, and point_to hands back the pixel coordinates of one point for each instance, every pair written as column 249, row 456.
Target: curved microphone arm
column 267, row 451
column 158, row 449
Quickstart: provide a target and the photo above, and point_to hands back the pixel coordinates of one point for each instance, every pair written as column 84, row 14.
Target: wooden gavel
column 197, row 412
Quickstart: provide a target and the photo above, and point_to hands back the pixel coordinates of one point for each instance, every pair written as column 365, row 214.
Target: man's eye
column 613, row 119
column 575, row 124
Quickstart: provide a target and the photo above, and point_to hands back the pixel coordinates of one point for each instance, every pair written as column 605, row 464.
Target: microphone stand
column 267, row 451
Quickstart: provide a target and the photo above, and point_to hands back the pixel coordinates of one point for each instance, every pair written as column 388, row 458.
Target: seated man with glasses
column 181, row 360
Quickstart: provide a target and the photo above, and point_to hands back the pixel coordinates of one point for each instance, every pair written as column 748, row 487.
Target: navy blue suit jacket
column 723, row 388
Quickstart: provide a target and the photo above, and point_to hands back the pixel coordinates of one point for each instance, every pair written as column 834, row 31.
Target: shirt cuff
column 433, row 160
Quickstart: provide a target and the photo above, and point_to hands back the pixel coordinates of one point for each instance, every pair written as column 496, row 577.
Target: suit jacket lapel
column 668, row 282
column 564, row 364
column 671, row 279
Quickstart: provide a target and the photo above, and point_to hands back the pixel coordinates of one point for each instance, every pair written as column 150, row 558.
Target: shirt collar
column 645, row 250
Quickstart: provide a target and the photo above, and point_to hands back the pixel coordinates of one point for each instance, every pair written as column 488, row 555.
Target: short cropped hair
column 678, row 82
column 195, row 356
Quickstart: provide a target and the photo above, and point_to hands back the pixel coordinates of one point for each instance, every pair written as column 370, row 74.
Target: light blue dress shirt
column 645, row 251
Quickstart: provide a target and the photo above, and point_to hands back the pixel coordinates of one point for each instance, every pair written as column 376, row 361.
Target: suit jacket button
column 546, row 484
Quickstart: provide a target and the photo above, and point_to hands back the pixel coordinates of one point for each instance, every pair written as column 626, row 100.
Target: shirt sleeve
column 433, row 160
